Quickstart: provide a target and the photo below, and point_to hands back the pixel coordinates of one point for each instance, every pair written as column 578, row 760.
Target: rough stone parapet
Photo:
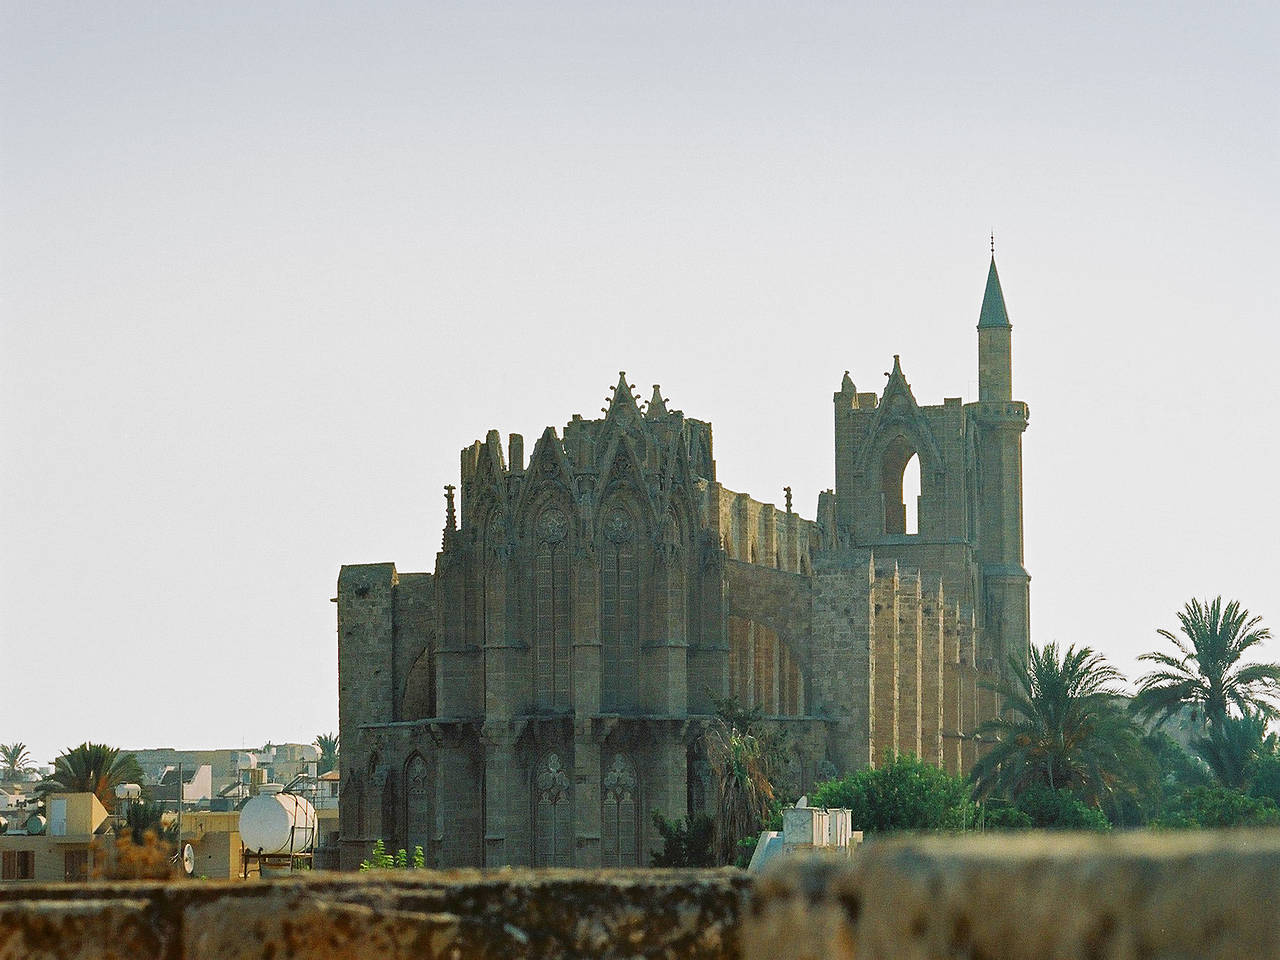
column 457, row 914
column 1027, row 897
column 1202, row 895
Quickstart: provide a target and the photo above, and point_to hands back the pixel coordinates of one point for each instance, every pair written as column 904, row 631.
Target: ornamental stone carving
column 553, row 782
column 617, row 527
column 620, row 780
column 553, row 525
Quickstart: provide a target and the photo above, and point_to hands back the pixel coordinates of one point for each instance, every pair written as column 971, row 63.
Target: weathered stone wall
column 466, row 914
column 1210, row 896
column 1026, row 897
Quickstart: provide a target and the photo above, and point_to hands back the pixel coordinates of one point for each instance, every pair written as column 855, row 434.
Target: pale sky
column 266, row 268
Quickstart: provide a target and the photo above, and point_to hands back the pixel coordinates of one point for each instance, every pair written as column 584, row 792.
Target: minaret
column 995, row 348
column 1000, row 422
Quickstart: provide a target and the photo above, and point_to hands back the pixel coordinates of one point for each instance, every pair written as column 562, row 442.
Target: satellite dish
column 188, row 859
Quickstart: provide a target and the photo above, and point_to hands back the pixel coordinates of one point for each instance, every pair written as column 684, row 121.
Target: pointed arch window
column 900, row 455
column 619, row 612
column 553, row 813
column 494, row 585
column 619, row 822
column 417, row 798
column 552, row 640
column 911, row 495
column 391, row 813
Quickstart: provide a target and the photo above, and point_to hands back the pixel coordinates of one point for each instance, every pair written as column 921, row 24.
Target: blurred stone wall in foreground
column 1011, row 897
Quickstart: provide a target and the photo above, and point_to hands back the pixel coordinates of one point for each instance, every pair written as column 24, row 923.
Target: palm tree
column 1061, row 727
column 742, row 776
column 1235, row 746
column 1208, row 673
column 15, row 760
column 145, row 816
column 93, row 768
column 328, row 744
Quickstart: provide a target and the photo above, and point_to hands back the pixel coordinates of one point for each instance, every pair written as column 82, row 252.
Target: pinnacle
column 657, row 406
column 623, row 401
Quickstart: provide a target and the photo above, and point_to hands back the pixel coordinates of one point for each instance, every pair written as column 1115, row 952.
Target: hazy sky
column 266, row 268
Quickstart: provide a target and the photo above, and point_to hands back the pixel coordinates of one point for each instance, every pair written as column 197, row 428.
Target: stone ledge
column 450, row 914
column 1027, row 897
column 1012, row 897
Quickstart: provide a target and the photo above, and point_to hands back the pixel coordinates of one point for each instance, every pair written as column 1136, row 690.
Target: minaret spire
column 993, row 313
column 995, row 333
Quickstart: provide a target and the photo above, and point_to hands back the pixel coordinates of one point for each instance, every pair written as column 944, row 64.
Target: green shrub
column 380, row 859
column 1059, row 810
column 904, row 794
column 685, row 842
column 1219, row 807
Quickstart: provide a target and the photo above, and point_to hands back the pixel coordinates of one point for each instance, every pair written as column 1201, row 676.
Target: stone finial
column 787, row 491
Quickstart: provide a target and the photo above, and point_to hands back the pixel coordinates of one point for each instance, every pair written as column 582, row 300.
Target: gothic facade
column 535, row 698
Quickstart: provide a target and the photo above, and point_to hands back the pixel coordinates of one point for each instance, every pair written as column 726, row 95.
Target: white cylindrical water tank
column 274, row 822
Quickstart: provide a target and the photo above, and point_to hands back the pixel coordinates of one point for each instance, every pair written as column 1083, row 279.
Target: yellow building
column 57, row 845
column 214, row 836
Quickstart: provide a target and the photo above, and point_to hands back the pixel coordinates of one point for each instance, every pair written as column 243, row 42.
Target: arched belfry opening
column 899, row 486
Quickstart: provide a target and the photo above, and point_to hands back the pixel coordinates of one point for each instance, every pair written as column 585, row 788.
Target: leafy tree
column 904, row 794
column 1235, row 747
column 1266, row 777
column 1169, row 770
column 1061, row 727
column 1178, row 770
column 1208, row 672
column 15, row 760
column 1220, row 807
column 328, row 744
column 93, row 768
column 685, row 843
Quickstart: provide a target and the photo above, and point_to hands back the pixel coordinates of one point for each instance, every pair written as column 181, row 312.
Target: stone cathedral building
column 545, row 689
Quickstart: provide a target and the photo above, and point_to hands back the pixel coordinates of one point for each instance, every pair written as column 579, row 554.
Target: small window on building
column 76, row 866
column 18, row 865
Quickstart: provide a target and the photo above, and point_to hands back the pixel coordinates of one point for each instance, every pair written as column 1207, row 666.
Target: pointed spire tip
column 993, row 313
